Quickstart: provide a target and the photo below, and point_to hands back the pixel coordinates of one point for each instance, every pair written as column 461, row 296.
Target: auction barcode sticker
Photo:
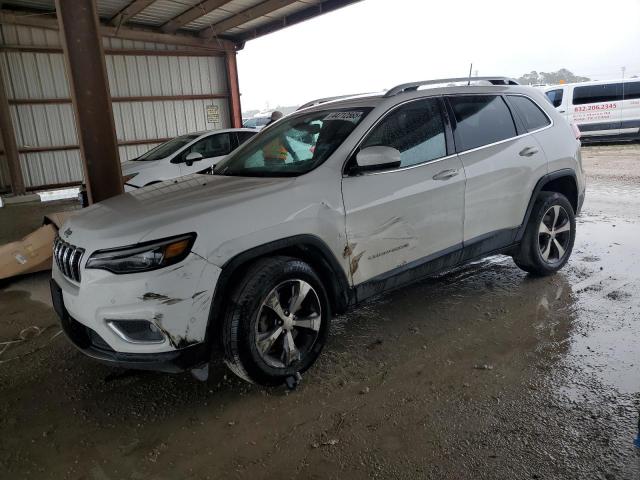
column 350, row 116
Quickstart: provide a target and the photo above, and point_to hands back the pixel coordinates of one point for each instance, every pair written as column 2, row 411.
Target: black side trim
column 448, row 128
column 491, row 243
column 591, row 127
column 313, row 247
column 565, row 172
column 485, row 244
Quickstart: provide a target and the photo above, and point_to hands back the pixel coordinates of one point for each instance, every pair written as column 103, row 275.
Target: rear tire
column 276, row 322
column 549, row 236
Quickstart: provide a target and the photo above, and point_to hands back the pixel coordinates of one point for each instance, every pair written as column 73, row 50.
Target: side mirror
column 192, row 157
column 377, row 158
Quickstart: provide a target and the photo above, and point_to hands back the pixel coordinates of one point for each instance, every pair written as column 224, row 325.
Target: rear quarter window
column 481, row 120
column 555, row 97
column 530, row 113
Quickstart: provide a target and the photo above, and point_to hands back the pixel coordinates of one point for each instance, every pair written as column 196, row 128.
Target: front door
column 400, row 217
column 212, row 148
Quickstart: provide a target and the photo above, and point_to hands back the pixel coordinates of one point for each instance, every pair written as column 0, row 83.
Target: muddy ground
column 482, row 372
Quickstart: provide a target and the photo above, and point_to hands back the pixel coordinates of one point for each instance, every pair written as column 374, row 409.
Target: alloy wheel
column 554, row 234
column 289, row 322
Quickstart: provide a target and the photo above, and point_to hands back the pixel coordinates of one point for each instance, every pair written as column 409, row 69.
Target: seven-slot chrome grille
column 67, row 258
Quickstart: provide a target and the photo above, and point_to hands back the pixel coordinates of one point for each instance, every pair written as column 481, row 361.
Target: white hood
column 168, row 208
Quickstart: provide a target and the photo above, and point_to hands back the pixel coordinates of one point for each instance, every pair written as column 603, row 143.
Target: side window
column 555, row 97
column 631, row 90
column 607, row 92
column 213, row 145
column 415, row 129
column 244, row 136
column 481, row 120
column 531, row 114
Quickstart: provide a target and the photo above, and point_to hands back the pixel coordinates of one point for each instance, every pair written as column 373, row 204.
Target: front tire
column 276, row 322
column 549, row 236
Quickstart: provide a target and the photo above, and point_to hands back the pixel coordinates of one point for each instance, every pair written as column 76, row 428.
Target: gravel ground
column 482, row 372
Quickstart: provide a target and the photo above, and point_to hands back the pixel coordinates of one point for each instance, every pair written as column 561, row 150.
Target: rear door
column 596, row 109
column 502, row 162
column 410, row 213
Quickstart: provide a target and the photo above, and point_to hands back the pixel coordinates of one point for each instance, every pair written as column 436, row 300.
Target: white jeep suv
column 327, row 207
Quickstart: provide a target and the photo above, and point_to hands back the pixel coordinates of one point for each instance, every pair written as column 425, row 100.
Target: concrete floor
column 482, row 372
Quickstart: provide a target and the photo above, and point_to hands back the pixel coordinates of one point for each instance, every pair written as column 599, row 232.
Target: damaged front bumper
column 175, row 302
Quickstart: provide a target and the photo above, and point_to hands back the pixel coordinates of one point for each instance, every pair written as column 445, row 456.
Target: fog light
column 136, row 331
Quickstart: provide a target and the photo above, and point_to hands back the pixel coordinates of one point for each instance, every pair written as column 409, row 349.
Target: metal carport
column 156, row 68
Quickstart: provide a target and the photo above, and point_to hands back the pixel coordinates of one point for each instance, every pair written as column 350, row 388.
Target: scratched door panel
column 401, row 216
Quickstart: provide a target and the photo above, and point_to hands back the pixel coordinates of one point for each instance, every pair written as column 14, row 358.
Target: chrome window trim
column 475, row 149
column 408, row 167
column 463, row 152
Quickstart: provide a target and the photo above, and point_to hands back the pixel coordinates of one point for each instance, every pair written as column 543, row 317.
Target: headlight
column 143, row 256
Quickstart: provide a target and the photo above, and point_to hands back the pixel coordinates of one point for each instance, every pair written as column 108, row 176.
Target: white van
column 182, row 156
column 603, row 110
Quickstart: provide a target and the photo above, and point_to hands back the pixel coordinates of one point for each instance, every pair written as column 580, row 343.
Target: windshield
column 256, row 122
column 167, row 148
column 293, row 146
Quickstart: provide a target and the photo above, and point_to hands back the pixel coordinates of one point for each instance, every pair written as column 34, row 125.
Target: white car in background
column 257, row 123
column 183, row 155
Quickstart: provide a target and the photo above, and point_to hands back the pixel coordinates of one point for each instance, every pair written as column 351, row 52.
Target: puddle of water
column 607, row 305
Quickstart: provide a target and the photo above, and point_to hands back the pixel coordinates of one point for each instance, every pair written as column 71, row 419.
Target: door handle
column 561, row 111
column 445, row 174
column 528, row 151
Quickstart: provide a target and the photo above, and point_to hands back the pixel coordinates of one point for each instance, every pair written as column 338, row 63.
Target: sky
column 376, row 44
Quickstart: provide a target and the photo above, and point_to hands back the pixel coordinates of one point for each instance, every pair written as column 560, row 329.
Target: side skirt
column 493, row 243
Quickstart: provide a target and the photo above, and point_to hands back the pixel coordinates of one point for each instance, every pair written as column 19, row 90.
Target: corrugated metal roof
column 222, row 13
column 160, row 12
column 106, row 8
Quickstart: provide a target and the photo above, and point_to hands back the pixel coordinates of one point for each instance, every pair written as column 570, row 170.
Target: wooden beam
column 53, row 186
column 147, row 98
column 188, row 52
column 244, row 16
column 234, row 89
column 130, row 11
column 192, row 14
column 89, row 87
column 61, row 148
column 141, row 34
column 9, row 142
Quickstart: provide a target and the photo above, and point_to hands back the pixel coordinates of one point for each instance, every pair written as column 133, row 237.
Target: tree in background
column 551, row 78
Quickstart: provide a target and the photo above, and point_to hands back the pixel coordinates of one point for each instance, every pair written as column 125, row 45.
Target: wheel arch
column 308, row 248
column 561, row 181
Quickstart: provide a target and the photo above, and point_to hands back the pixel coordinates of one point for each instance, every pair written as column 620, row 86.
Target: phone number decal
column 605, row 106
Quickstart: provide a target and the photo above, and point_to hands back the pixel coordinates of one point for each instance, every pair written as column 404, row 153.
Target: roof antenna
column 470, row 67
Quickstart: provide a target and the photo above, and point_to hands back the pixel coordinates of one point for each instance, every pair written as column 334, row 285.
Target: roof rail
column 320, row 101
column 413, row 86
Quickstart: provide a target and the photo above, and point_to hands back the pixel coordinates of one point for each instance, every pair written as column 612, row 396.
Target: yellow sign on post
column 213, row 114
